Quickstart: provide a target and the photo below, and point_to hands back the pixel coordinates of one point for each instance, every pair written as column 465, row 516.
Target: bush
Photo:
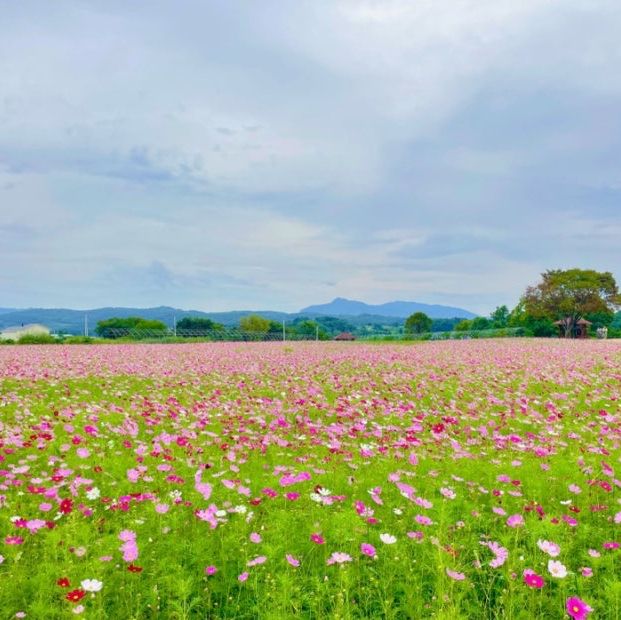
column 37, row 339
column 78, row 340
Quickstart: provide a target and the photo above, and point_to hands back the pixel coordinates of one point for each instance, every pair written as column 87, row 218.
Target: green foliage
column 571, row 294
column 78, row 340
column 418, row 323
column 256, row 325
column 308, row 329
column 129, row 327
column 463, row 326
column 189, row 324
column 479, row 323
column 37, row 339
column 500, row 317
column 444, row 325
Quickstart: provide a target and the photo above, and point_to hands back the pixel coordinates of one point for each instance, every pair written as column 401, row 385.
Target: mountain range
column 357, row 313
column 401, row 309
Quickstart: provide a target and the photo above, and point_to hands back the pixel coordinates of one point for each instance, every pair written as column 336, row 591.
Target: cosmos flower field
column 463, row 479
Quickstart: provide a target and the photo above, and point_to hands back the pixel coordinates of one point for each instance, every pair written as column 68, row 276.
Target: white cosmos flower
column 388, row 539
column 91, row 585
column 557, row 569
column 94, row 493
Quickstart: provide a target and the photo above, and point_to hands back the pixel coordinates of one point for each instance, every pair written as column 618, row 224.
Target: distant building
column 345, row 336
column 32, row 329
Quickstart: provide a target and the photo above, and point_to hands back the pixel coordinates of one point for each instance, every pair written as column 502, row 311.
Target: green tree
column 500, row 317
column 189, row 325
column 463, row 326
column 418, row 323
column 571, row 294
column 131, row 326
column 479, row 323
column 255, row 326
column 309, row 329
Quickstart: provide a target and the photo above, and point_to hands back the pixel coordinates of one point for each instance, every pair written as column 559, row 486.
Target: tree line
column 551, row 307
column 561, row 295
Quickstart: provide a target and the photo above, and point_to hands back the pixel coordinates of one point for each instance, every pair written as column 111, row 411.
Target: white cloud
column 280, row 155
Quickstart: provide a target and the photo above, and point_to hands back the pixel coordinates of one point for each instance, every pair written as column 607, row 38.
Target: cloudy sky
column 242, row 154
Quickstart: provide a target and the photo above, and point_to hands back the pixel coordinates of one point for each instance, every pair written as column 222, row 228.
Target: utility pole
column 283, row 331
column 175, row 325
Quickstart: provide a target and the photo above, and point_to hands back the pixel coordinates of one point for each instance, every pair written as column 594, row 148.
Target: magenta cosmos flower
column 532, row 579
column 367, row 549
column 577, row 608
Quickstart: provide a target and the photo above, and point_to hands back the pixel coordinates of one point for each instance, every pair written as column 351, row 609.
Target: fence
column 213, row 335
column 233, row 334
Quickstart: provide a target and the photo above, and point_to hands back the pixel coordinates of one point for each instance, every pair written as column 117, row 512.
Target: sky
column 276, row 154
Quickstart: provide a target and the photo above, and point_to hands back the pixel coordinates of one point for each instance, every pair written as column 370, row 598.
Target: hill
column 399, row 309
column 356, row 314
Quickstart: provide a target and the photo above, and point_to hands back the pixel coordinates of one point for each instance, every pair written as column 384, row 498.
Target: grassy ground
column 264, row 460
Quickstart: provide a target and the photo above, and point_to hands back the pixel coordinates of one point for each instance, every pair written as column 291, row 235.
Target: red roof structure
column 345, row 336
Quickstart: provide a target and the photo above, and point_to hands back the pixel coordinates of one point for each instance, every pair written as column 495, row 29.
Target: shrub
column 37, row 339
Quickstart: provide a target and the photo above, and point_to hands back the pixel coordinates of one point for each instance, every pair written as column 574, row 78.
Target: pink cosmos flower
column 292, row 560
column 243, row 576
column 338, row 557
column 210, row 570
column 368, row 549
column 611, row 545
column 448, row 493
column 574, row 488
column 552, row 549
column 585, row 571
column 127, row 535
column 515, row 521
column 255, row 537
column 317, row 539
column 261, row 559
column 13, row 540
column 161, row 508
column 34, row 525
column 455, row 575
column 532, row 579
column 577, row 608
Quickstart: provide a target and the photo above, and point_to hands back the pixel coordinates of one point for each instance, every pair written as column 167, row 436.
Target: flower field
column 458, row 479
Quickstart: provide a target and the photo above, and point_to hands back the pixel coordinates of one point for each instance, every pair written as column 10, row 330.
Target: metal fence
column 215, row 335
column 233, row 334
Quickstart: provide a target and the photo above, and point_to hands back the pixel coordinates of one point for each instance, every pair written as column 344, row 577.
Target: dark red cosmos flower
column 66, row 506
column 75, row 595
column 63, row 582
column 132, row 568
